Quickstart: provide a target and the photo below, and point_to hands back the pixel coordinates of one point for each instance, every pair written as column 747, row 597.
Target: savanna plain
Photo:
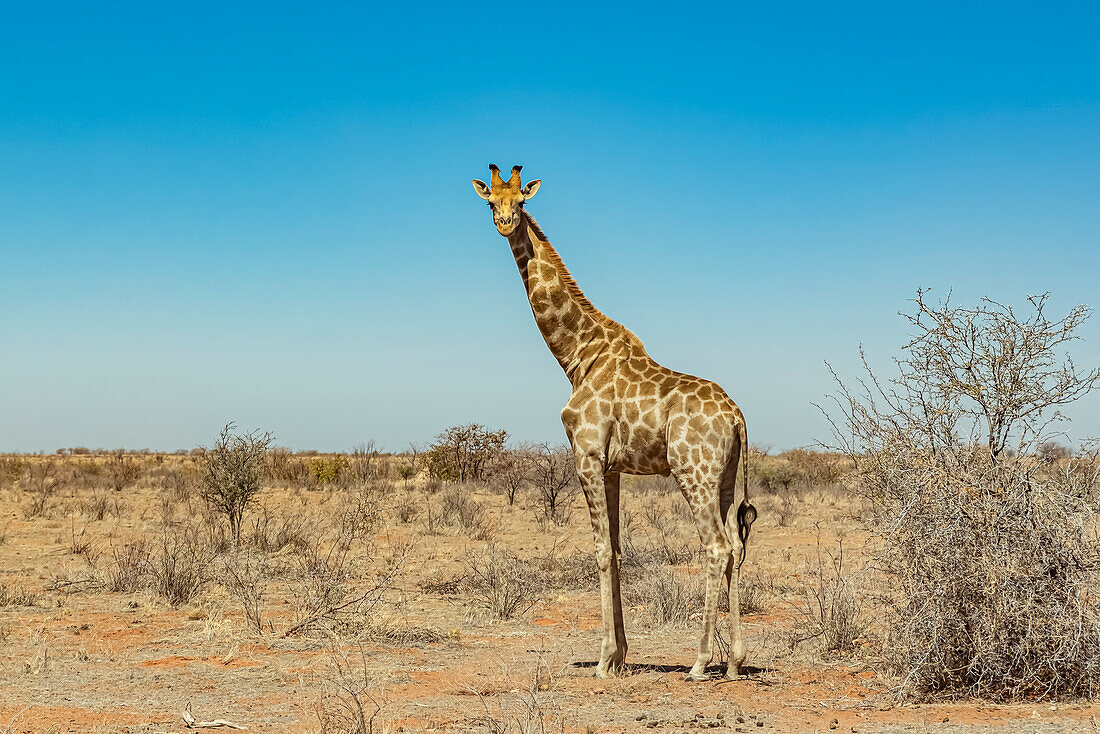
column 447, row 589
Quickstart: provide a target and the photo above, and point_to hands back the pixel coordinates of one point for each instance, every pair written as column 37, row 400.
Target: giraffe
column 628, row 414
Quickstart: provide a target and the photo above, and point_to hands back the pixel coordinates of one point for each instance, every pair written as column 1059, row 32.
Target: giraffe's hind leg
column 702, row 494
column 727, row 505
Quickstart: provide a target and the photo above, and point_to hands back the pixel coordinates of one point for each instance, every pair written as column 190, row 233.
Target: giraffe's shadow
column 747, row 671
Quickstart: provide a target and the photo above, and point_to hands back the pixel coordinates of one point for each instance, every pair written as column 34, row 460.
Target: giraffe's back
column 656, row 420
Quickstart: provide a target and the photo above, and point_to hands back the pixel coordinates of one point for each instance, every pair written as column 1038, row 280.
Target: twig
column 189, row 720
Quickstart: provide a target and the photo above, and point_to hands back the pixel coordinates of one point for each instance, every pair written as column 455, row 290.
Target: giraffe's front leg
column 590, row 469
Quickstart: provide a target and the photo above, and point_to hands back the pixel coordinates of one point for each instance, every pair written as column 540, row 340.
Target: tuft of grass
column 18, row 596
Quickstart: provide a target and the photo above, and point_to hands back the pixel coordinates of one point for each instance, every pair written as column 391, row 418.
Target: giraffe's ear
column 482, row 189
column 531, row 188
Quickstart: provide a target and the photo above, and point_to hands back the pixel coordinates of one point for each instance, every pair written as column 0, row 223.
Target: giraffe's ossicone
column 628, row 414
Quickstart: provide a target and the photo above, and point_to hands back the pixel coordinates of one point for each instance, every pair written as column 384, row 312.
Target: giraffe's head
column 506, row 197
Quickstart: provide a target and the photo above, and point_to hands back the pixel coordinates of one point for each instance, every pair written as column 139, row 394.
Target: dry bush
column 350, row 702
column 244, row 575
column 82, row 545
column 324, row 599
column 358, row 513
column 664, row 552
column 567, row 571
column 817, row 468
column 96, row 507
column 18, row 596
column 757, row 590
column 408, row 507
column 320, row 581
column 366, row 463
column 128, row 571
column 992, row 555
column 459, row 509
column 785, row 512
column 283, row 466
column 181, row 566
column 666, row 597
column 652, row 484
column 831, row 610
column 556, row 483
column 269, row 533
column 512, row 470
column 40, row 483
column 11, row 470
column 532, row 708
column 397, row 635
column 496, row 581
column 121, row 471
column 658, row 517
column 464, row 453
column 232, row 470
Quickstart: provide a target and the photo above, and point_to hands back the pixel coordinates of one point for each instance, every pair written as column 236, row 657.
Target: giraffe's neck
column 575, row 330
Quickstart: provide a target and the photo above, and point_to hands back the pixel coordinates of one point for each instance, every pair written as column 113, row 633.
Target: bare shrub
column 366, row 463
column 181, row 566
column 244, row 576
column 359, row 513
column 96, row 507
column 785, row 512
column 512, row 470
column 350, row 703
column 458, row 508
column 121, row 471
column 830, row 611
column 271, row 534
column 657, row 517
column 320, row 584
column 11, row 469
column 128, row 572
column 556, row 483
column 232, row 470
column 816, row 468
column 756, row 590
column 407, row 508
column 82, row 545
column 652, row 484
column 18, row 596
column 531, row 708
column 992, row 557
column 500, row 583
column 404, row 635
column 41, row 483
column 284, row 466
column 1051, row 452
column 666, row 597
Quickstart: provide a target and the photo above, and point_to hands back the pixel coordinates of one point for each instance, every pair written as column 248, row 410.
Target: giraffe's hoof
column 696, row 677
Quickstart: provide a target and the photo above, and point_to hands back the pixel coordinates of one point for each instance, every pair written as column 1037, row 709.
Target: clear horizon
column 213, row 214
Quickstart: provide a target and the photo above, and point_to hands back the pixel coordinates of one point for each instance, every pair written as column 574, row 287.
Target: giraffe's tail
column 746, row 513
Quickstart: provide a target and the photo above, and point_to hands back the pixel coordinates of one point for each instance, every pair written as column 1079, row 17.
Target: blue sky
column 262, row 213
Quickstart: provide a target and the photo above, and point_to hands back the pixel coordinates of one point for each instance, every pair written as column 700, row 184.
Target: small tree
column 513, row 469
column 992, row 553
column 464, row 453
column 556, row 480
column 232, row 470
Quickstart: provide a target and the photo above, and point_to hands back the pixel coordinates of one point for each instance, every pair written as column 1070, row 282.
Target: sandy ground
column 84, row 659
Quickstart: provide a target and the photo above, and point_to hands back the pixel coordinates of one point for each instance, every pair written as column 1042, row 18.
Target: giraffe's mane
column 571, row 285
